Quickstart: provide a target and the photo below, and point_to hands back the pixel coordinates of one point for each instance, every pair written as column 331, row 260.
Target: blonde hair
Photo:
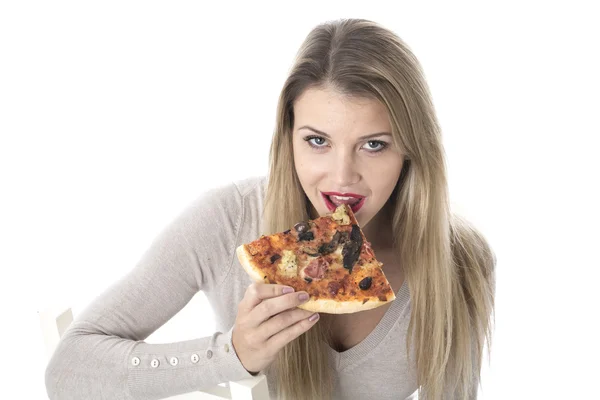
column 448, row 264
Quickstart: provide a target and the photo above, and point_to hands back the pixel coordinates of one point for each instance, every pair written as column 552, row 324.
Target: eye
column 375, row 146
column 316, row 141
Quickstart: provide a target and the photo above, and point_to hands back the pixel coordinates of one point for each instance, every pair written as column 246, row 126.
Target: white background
column 115, row 115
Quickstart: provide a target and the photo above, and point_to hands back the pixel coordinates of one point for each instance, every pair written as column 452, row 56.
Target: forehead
column 334, row 113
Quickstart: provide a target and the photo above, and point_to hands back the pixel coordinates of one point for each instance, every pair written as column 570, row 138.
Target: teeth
column 338, row 200
column 342, row 198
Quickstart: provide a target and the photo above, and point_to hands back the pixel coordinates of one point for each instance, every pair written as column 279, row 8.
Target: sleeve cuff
column 166, row 369
column 228, row 365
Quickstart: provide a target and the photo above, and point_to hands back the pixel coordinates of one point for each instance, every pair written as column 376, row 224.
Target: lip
column 331, row 207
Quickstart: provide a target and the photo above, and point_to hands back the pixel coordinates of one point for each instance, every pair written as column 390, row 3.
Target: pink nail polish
column 287, row 290
column 313, row 317
column 303, row 297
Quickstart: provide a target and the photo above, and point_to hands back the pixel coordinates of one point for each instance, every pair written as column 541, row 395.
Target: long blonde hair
column 448, row 265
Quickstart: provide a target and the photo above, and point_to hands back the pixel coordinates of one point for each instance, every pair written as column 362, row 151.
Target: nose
column 345, row 170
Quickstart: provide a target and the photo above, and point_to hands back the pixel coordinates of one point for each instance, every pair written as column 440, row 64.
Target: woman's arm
column 103, row 354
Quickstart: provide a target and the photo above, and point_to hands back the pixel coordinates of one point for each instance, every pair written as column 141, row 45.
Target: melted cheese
column 341, row 216
column 337, row 255
column 289, row 264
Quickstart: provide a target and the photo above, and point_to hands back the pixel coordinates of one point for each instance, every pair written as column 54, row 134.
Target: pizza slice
column 328, row 257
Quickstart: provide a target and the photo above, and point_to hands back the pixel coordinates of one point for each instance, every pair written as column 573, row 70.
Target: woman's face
column 343, row 152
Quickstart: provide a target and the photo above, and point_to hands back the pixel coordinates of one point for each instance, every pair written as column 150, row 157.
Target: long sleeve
column 103, row 354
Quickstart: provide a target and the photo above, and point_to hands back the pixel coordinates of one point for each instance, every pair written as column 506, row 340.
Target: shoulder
column 231, row 196
column 219, row 208
column 251, row 187
column 215, row 217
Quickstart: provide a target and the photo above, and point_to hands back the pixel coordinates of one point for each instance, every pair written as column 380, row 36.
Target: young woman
column 355, row 125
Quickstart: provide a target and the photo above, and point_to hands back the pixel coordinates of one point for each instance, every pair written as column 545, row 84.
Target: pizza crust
column 331, row 306
column 245, row 260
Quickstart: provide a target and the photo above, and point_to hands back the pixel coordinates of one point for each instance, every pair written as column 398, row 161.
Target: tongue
column 339, row 202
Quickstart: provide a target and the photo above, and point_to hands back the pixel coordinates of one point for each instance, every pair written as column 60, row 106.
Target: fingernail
column 303, row 296
column 287, row 290
column 314, row 317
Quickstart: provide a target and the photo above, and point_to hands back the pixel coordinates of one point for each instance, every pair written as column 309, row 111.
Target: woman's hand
column 267, row 320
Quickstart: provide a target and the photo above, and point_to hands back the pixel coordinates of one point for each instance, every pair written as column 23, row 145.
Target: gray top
column 103, row 354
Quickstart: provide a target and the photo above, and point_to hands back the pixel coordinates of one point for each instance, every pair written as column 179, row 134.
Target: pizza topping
column 365, row 283
column 355, row 235
column 306, row 236
column 369, row 249
column 289, row 264
column 334, row 287
column 302, row 227
column 316, row 268
column 352, row 248
column 252, row 249
column 341, row 215
column 311, row 252
column 327, row 248
column 314, row 256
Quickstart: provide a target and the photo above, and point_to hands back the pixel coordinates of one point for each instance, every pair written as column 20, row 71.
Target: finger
column 271, row 307
column 282, row 321
column 257, row 292
column 292, row 332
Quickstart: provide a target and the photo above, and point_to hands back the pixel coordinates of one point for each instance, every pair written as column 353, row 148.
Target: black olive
column 286, row 232
column 301, row 227
column 365, row 283
column 275, row 257
column 306, row 236
column 307, row 279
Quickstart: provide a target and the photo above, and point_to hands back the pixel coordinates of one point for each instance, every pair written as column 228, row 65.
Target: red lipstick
column 357, row 200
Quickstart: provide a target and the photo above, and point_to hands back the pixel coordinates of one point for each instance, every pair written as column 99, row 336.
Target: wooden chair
column 54, row 323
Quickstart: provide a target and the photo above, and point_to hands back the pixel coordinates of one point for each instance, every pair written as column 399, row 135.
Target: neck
column 379, row 230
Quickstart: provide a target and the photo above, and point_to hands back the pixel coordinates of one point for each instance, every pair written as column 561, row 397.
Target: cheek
column 384, row 176
column 308, row 167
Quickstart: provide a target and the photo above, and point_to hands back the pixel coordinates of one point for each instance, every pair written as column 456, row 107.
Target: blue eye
column 375, row 146
column 371, row 146
column 315, row 141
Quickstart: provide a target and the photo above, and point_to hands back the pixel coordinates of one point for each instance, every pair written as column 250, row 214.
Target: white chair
column 55, row 322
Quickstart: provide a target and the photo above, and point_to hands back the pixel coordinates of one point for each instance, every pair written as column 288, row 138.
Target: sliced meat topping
column 334, row 287
column 316, row 268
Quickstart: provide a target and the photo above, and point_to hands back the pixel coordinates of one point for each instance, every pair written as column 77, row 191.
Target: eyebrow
column 372, row 135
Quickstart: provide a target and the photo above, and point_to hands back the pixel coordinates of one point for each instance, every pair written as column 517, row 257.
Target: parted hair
column 448, row 264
